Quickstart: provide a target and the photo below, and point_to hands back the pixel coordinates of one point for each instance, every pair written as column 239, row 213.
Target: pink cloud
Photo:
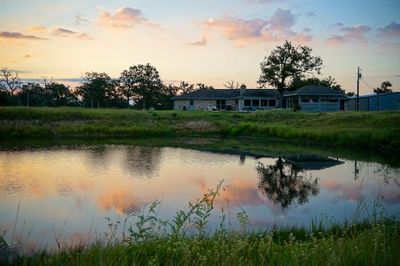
column 62, row 32
column 391, row 30
column 343, row 191
column 244, row 31
column 355, row 33
column 19, row 35
column 71, row 34
column 126, row 17
column 336, row 40
column 80, row 20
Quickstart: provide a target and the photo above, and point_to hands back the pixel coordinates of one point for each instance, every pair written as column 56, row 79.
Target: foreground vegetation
column 376, row 130
column 363, row 244
column 184, row 240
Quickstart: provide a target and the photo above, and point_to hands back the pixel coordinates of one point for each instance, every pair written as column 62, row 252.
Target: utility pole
column 358, row 88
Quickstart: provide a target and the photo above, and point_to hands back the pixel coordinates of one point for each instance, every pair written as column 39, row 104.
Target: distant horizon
column 207, row 41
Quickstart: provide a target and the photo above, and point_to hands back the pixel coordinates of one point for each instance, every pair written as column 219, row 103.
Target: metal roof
column 374, row 95
column 212, row 94
column 315, row 91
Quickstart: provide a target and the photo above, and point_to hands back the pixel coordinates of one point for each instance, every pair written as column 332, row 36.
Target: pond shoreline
column 378, row 131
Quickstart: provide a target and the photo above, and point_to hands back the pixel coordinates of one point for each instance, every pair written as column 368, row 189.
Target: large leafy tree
column 143, row 83
column 60, row 95
column 384, row 88
column 287, row 62
column 96, row 88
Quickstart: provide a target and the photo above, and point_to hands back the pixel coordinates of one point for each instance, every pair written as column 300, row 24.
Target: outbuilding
column 375, row 102
column 315, row 99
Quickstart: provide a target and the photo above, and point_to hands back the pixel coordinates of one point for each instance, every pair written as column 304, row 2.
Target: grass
column 151, row 241
column 375, row 130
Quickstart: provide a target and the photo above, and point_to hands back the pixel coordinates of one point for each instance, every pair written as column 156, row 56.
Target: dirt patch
column 199, row 126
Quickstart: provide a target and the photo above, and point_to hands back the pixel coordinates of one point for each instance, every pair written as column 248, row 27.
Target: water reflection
column 113, row 181
column 284, row 183
column 143, row 161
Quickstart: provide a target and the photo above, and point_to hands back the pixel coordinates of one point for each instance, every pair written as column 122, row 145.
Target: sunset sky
column 208, row 41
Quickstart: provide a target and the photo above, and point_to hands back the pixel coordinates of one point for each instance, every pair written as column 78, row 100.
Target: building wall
column 320, row 107
column 387, row 101
column 243, row 107
column 200, row 105
column 179, row 104
column 320, row 104
column 235, row 104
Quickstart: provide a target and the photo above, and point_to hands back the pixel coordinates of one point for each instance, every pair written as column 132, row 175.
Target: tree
column 144, row 82
column 185, row 87
column 9, row 81
column 202, row 86
column 32, row 94
column 384, row 88
column 97, row 87
column 286, row 63
column 230, row 84
column 284, row 183
column 327, row 82
column 59, row 95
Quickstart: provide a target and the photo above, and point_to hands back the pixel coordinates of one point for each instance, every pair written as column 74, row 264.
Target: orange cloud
column 121, row 201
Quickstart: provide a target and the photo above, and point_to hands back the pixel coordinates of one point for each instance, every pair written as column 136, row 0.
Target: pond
column 64, row 193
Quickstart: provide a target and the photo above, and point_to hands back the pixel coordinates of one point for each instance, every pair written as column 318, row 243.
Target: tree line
column 138, row 87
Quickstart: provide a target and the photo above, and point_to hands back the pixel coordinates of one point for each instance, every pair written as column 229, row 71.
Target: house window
column 272, row 102
column 264, row 102
column 256, row 102
column 221, row 104
column 191, row 102
column 247, row 102
column 309, row 100
column 304, row 100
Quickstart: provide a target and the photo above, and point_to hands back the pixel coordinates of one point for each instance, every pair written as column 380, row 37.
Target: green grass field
column 376, row 130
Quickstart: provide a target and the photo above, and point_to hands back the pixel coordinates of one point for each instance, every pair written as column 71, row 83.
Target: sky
column 199, row 41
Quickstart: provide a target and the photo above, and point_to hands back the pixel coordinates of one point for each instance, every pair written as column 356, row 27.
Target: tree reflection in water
column 284, row 183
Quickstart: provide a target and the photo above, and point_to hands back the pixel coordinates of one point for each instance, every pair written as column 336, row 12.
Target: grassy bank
column 376, row 130
column 361, row 244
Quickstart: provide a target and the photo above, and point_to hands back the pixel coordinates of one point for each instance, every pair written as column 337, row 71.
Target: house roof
column 312, row 161
column 227, row 94
column 315, row 91
column 375, row 95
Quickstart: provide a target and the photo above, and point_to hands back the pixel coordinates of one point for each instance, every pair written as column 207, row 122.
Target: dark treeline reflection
column 137, row 161
column 142, row 161
column 284, row 183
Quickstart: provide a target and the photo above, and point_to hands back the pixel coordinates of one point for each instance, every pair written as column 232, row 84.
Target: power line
column 366, row 84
